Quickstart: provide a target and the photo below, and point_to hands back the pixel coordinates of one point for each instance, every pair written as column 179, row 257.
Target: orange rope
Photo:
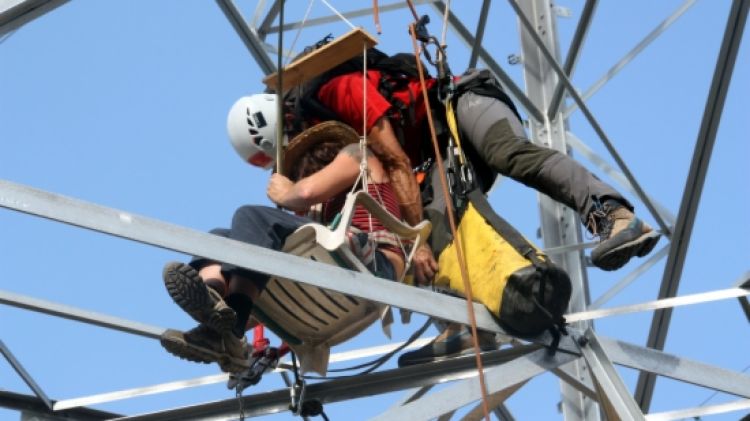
column 454, row 231
column 376, row 16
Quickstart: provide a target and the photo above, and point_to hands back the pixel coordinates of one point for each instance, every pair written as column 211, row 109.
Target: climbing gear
column 203, row 304
column 302, row 107
column 516, row 282
column 251, row 125
column 454, row 341
column 261, row 360
column 620, row 233
column 202, row 344
column 449, row 208
column 512, row 278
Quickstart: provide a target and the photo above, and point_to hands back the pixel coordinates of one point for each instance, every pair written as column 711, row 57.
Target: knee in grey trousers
column 499, row 139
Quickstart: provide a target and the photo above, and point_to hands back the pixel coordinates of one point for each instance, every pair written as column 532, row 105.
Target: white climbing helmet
column 251, row 124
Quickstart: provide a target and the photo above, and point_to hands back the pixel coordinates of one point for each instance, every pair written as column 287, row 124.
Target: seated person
column 323, row 164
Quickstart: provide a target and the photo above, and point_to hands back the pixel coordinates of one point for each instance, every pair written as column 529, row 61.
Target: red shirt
column 344, row 95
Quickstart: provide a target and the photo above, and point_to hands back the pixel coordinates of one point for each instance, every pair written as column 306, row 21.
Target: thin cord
column 299, row 31
column 711, row 396
column 454, row 231
column 333, row 9
column 280, row 96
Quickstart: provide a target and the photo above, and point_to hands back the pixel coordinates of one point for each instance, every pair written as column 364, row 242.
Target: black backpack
column 301, row 103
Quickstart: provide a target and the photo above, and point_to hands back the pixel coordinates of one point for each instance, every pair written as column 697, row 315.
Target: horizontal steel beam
column 85, row 316
column 172, row 237
column 26, row 403
column 343, row 389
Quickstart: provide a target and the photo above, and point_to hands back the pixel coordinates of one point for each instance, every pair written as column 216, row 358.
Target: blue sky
column 123, row 103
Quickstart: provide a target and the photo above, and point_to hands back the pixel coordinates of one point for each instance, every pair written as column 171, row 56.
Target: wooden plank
column 325, row 58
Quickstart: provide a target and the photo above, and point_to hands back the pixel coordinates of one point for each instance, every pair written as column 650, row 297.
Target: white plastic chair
column 311, row 319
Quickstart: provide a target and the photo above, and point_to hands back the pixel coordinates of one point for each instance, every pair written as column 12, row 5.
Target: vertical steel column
column 560, row 225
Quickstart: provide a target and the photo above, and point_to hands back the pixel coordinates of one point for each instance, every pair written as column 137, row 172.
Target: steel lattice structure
column 590, row 386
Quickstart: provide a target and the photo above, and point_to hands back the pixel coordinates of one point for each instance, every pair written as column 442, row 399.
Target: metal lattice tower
column 590, row 387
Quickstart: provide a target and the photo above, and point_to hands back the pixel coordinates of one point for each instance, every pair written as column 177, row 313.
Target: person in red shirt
column 493, row 131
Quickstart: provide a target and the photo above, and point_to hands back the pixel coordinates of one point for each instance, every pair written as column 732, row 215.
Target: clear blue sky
column 123, row 103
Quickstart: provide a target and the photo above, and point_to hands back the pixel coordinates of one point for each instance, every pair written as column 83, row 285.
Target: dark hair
column 315, row 158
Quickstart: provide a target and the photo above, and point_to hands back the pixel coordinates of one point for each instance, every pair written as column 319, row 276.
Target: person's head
column 316, row 147
column 251, row 124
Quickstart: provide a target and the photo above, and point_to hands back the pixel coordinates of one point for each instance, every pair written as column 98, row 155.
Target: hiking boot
column 453, row 342
column 621, row 235
column 203, row 344
column 203, row 304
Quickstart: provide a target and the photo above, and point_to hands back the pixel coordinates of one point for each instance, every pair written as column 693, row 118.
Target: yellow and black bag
column 519, row 285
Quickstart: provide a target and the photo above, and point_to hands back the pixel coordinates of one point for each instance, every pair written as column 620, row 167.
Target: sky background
column 124, row 103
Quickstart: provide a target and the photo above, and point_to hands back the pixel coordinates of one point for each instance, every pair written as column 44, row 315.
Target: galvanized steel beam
column 492, row 65
column 172, row 237
column 15, row 13
column 666, row 23
column 483, row 13
column 248, row 36
column 33, row 385
column 614, row 397
column 572, row 58
column 544, row 50
column 694, row 186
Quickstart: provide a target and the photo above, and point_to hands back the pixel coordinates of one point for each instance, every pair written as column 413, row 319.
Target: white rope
column 445, row 23
column 333, row 9
column 299, row 31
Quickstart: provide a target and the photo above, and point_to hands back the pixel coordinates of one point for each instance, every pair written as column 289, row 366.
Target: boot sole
column 189, row 292
column 617, row 257
column 186, row 351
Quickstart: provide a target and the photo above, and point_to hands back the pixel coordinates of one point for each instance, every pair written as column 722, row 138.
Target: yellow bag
column 518, row 284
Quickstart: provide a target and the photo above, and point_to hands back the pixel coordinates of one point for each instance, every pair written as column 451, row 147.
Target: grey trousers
column 499, row 139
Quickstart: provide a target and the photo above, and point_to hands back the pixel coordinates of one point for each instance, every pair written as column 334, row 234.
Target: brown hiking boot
column 203, row 304
column 621, row 235
column 203, row 344
column 454, row 341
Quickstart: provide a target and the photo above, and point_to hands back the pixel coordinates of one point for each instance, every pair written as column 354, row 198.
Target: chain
column 238, row 394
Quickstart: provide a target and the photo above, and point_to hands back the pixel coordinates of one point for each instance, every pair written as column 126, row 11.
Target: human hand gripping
column 279, row 189
column 425, row 266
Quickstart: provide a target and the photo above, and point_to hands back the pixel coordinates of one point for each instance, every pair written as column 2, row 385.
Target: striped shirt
column 363, row 221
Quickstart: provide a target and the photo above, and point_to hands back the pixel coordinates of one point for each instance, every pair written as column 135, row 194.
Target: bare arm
column 334, row 178
column 384, row 144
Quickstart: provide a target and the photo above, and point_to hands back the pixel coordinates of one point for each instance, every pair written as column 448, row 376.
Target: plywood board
column 325, row 58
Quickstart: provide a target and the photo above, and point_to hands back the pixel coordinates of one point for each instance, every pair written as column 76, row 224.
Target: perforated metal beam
column 693, row 187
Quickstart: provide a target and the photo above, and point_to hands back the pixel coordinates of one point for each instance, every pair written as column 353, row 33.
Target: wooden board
column 325, row 58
